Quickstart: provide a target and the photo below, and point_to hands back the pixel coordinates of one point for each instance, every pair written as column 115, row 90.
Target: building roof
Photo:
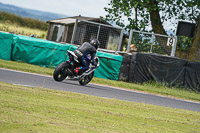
column 71, row 20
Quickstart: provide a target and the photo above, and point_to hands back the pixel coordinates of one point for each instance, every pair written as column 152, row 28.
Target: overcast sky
column 89, row 8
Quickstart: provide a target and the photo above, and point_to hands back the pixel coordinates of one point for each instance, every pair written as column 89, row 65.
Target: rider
column 87, row 50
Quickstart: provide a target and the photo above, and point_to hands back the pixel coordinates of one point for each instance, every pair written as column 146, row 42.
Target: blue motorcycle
column 68, row 69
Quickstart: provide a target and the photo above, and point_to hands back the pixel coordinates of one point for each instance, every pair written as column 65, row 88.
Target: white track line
column 25, row 85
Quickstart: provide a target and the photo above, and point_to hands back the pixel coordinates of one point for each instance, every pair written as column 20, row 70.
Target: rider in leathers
column 87, row 50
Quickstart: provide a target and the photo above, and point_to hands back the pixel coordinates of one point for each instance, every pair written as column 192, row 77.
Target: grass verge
column 154, row 88
column 22, row 30
column 26, row 109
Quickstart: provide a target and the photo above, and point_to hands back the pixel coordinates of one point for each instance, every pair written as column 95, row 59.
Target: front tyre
column 86, row 79
column 60, row 73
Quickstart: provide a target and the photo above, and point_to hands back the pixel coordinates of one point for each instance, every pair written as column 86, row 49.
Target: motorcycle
column 67, row 69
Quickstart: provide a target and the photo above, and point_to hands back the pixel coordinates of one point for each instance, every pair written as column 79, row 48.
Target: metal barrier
column 110, row 37
column 151, row 43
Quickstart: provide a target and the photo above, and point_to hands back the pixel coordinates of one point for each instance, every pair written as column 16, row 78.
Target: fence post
column 120, row 40
column 98, row 32
column 74, row 31
column 152, row 42
column 174, row 47
column 129, row 41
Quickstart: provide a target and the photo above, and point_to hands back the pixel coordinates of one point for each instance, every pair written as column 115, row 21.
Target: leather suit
column 86, row 50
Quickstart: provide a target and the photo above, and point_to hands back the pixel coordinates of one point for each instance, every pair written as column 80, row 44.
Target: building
column 79, row 29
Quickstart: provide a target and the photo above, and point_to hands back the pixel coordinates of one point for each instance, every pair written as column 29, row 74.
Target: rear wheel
column 86, row 79
column 60, row 72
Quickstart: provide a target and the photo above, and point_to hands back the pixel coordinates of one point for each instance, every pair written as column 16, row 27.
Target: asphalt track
column 36, row 80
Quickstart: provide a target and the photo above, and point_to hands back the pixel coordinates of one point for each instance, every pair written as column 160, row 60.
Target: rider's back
column 87, row 48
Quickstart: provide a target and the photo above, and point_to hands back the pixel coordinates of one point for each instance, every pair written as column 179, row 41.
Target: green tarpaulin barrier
column 39, row 52
column 50, row 54
column 110, row 65
column 5, row 45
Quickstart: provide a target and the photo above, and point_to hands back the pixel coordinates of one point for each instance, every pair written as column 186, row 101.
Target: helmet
column 95, row 43
column 32, row 35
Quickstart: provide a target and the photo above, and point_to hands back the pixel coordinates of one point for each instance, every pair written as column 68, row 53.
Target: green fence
column 50, row 54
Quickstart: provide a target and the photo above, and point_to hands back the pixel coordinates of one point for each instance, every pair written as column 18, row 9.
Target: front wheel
column 60, row 73
column 86, row 79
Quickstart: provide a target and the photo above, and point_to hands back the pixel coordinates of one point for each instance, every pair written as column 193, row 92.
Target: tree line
column 155, row 13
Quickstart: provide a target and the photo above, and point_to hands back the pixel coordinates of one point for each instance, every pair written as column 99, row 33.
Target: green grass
column 27, row 109
column 154, row 88
column 25, row 67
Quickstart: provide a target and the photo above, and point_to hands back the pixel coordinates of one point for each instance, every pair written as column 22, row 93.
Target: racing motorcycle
column 68, row 69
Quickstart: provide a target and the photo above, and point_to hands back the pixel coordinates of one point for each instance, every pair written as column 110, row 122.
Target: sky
column 89, row 8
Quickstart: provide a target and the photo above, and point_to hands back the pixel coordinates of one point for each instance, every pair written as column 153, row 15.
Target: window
column 58, row 31
column 113, row 41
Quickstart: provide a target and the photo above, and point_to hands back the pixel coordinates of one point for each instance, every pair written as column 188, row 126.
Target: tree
column 142, row 13
column 194, row 50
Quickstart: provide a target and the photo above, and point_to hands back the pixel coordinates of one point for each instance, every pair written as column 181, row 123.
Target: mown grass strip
column 154, row 88
column 26, row 109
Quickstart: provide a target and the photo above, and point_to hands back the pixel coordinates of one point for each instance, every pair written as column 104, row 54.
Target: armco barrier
column 50, row 54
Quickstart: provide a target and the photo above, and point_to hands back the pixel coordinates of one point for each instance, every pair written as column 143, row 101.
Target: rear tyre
column 60, row 73
column 86, row 79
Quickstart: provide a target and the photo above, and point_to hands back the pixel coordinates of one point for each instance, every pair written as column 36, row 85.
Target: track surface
column 36, row 80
